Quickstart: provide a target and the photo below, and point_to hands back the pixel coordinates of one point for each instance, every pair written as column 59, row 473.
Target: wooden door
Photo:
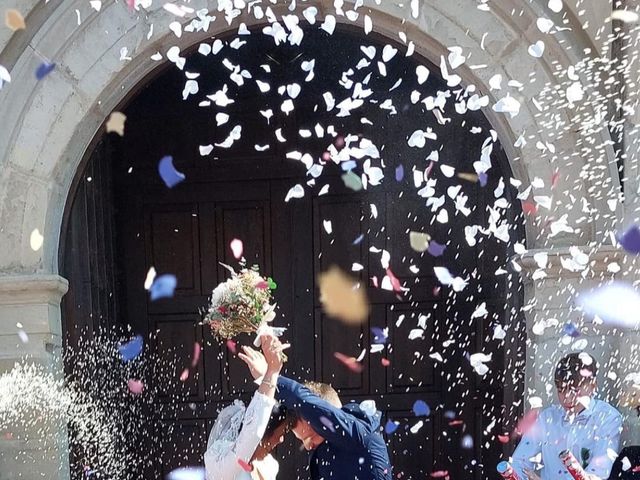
column 239, row 193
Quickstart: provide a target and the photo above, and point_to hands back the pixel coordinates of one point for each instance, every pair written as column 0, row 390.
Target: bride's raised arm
column 238, row 431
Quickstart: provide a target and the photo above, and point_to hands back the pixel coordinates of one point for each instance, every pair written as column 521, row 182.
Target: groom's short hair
column 325, row 392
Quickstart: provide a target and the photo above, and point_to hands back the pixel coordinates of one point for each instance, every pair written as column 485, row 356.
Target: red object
column 350, row 362
column 245, row 466
column 231, row 345
column 385, row 362
column 572, row 465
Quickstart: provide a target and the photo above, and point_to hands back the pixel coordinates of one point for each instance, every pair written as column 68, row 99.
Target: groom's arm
column 332, row 423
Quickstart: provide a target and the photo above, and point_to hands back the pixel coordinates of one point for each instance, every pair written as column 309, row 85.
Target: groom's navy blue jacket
column 353, row 448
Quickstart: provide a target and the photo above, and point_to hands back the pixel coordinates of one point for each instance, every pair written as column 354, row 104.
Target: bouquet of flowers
column 242, row 304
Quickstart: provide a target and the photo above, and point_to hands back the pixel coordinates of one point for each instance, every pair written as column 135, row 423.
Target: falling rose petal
column 36, row 240
column 570, row 330
column 44, row 69
column 197, row 348
column 399, row 173
column 169, row 174
column 350, row 362
column 435, row 249
column 440, row 474
column 617, row 304
column 421, row 409
column 14, row 20
column 630, row 240
column 626, row 16
column 529, row 208
column 187, row 473
column 24, row 338
column 184, row 375
column 163, row 287
column 342, row 297
column 419, row 241
column 390, row 427
column 483, row 177
column 537, row 49
column 116, row 123
column 385, row 362
column 135, row 386
column 237, row 248
column 131, row 349
column 395, row 283
column 231, row 345
column 379, row 335
column 327, row 423
column 245, row 466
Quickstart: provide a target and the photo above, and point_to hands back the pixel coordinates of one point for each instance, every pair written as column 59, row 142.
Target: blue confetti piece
column 390, row 427
column 379, row 336
column 421, row 409
column 348, row 165
column 435, row 249
column 168, row 172
column 630, row 240
column 482, row 178
column 163, row 287
column 399, row 173
column 327, row 423
column 571, row 330
column 44, row 69
column 131, row 349
column 358, row 240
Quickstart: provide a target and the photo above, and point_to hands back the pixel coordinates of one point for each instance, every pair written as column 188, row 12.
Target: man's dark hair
column 575, row 368
column 279, row 416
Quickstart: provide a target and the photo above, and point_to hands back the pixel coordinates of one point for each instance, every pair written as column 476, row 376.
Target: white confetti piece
column 296, row 191
column 36, row 240
column 537, row 49
column 555, row 5
column 151, row 275
column 329, row 24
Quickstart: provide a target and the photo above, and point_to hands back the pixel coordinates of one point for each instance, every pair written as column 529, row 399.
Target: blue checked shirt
column 593, row 436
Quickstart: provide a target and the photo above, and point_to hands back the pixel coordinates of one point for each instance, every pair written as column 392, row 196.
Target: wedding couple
column 345, row 441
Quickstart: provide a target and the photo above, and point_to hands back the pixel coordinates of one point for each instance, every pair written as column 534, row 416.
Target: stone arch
column 54, row 121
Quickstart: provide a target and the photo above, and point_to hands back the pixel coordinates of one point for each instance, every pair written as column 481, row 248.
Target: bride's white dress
column 236, row 435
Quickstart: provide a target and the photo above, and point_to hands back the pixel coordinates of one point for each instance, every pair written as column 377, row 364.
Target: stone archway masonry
column 48, row 126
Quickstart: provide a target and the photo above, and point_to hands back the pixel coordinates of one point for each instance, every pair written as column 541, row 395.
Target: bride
column 242, row 438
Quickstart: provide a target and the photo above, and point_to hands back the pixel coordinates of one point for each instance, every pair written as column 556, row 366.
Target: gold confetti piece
column 469, row 177
column 36, row 240
column 419, row 241
column 13, row 19
column 116, row 123
column 342, row 297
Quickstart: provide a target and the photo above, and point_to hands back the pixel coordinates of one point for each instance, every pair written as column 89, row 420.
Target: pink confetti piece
column 232, row 346
column 327, row 423
column 197, row 349
column 237, row 248
column 350, row 362
column 135, row 386
column 385, row 362
column 374, row 281
column 245, row 466
column 503, row 438
column 439, row 474
column 395, row 283
column 555, row 178
column 184, row 375
column 529, row 208
column 131, row 4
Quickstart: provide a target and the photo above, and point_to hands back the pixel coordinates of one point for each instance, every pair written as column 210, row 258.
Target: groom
column 344, row 441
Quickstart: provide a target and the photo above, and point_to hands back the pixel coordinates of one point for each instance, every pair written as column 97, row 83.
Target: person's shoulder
column 607, row 410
